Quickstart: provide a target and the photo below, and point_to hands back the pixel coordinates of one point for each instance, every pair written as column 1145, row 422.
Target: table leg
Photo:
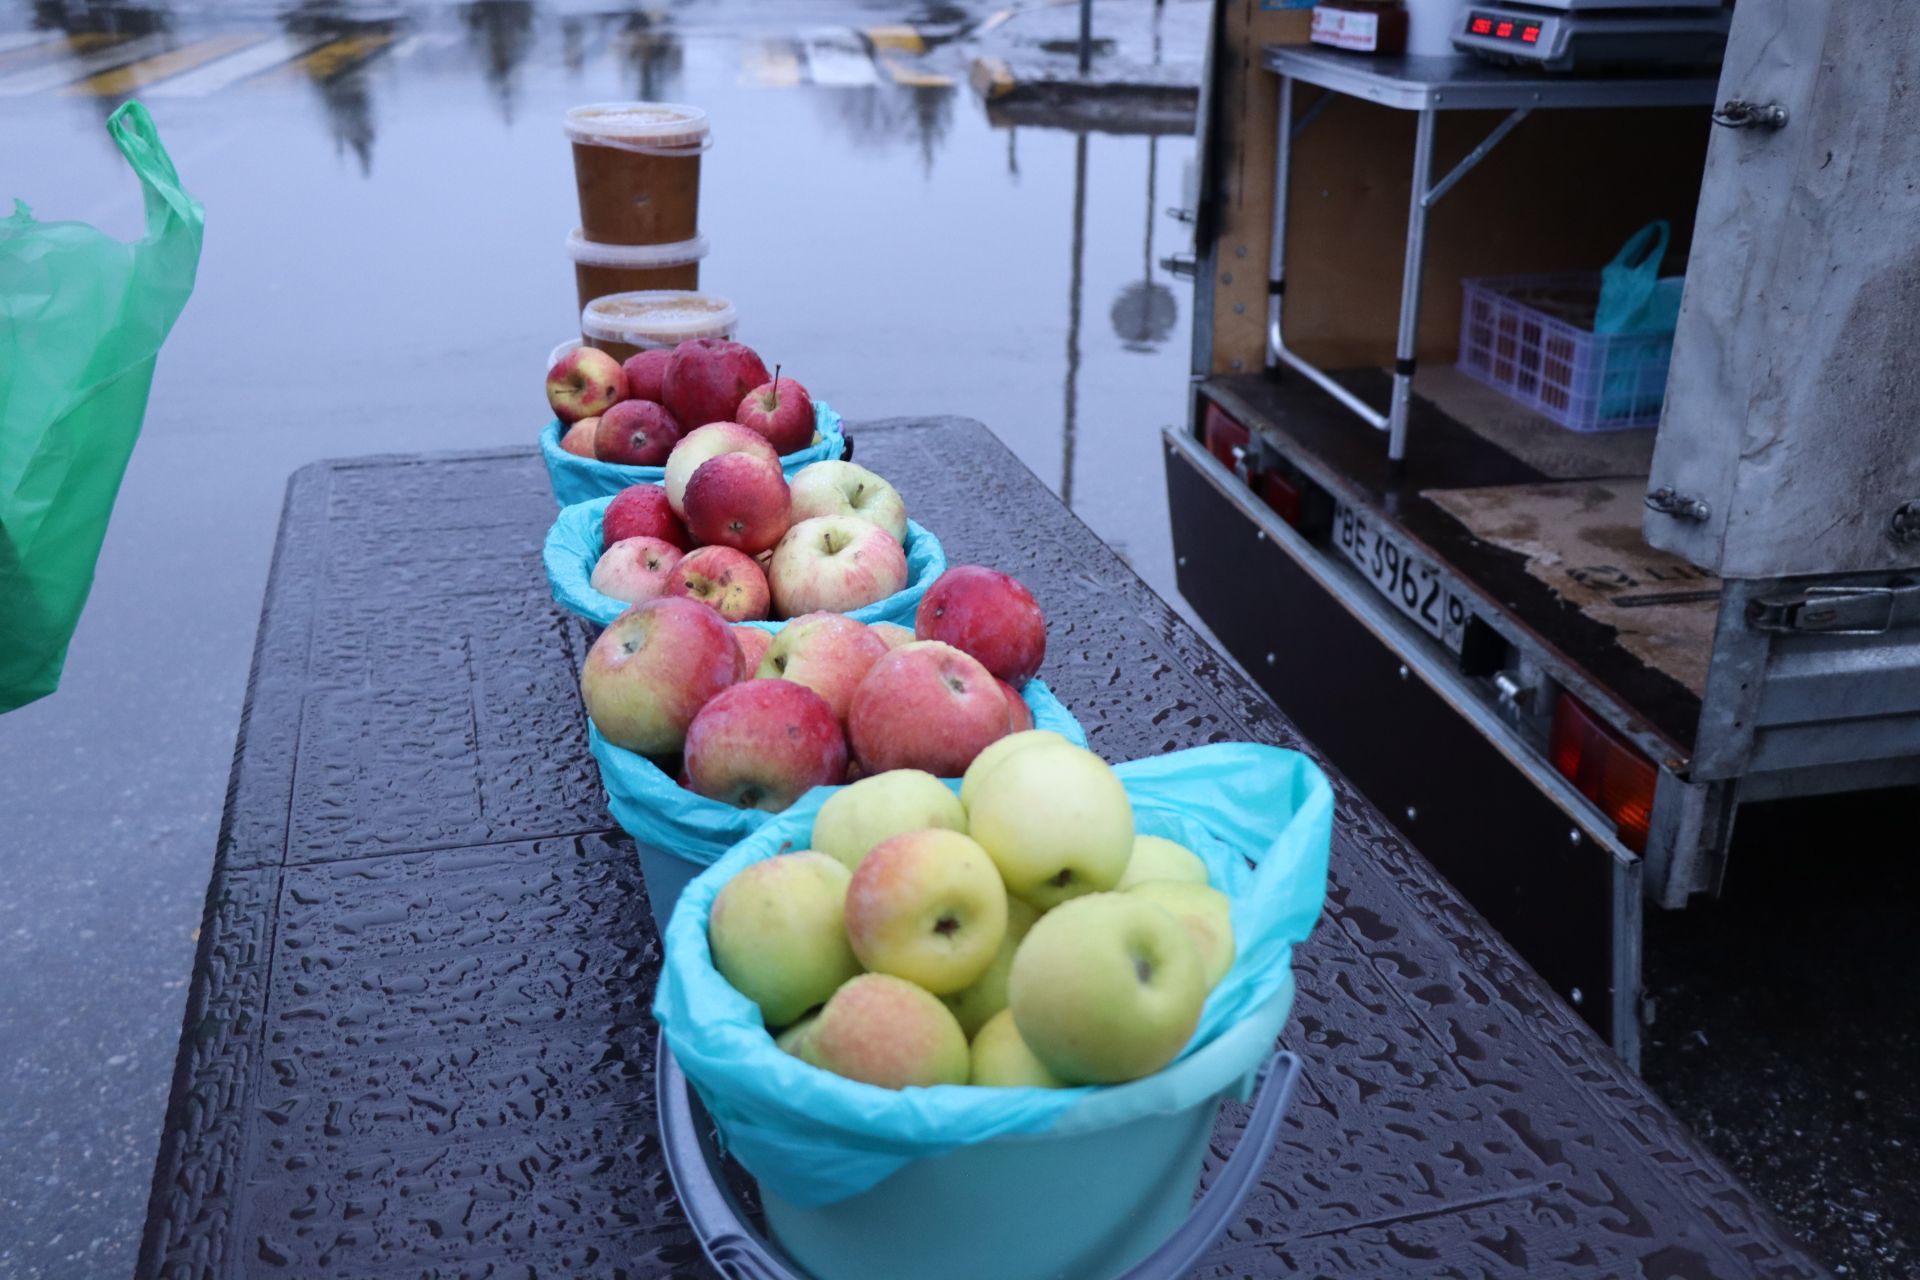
column 1282, row 185
column 1277, row 351
column 1408, row 347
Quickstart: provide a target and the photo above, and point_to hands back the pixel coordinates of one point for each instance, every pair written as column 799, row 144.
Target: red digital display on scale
column 1500, row 28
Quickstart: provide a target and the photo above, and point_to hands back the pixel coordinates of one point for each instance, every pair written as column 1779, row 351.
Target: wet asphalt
column 383, row 272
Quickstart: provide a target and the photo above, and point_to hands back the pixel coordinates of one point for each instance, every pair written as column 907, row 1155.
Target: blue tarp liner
column 577, row 479
column 575, row 542
column 657, row 811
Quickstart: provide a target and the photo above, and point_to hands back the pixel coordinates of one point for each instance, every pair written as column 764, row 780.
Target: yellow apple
column 1158, row 858
column 987, row 996
column 1001, row 1058
column 1207, row 915
column 1106, row 988
column 883, row 806
column 1056, row 820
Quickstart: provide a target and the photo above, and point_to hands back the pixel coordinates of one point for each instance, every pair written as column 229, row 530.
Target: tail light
column 1604, row 769
column 1225, row 439
column 1228, row 441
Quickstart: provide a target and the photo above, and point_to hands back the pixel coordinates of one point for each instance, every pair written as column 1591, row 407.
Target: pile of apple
column 1020, row 933
column 727, row 529
column 633, row 413
column 758, row 717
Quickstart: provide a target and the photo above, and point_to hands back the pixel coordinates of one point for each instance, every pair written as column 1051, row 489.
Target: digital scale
column 1567, row 35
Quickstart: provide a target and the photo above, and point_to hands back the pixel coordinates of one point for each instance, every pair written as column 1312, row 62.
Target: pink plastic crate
column 1532, row 337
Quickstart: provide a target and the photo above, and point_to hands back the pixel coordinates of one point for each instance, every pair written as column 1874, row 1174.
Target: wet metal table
column 1426, row 86
column 417, row 1040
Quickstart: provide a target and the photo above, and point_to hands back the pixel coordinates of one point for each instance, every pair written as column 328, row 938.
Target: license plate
column 1400, row 575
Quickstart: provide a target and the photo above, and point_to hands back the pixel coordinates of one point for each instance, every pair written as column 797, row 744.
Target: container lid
column 669, row 128
column 658, row 317
column 554, row 356
column 592, row 253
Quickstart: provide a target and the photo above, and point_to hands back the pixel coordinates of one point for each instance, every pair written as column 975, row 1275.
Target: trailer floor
column 1787, row 1024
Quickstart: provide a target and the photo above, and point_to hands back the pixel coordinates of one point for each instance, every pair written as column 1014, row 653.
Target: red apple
column 642, row 511
column 652, row 670
column 892, row 633
column 587, row 381
column 708, row 377
column 579, row 437
column 1019, row 714
column 835, row 564
column 635, row 569
column 704, row 443
column 647, row 372
column 925, row 706
column 781, row 410
column 636, row 433
column 988, row 614
column 763, row 743
column 829, row 653
column 754, row 643
column 837, row 488
column 737, row 500
column 726, row 580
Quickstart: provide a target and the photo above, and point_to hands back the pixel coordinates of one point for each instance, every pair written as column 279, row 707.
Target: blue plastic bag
column 577, row 479
column 575, row 542
column 1261, row 817
column 657, row 811
column 1633, row 296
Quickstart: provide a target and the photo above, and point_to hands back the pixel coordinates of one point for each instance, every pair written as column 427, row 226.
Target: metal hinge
column 1738, row 114
column 1681, row 506
column 1180, row 264
column 1839, row 611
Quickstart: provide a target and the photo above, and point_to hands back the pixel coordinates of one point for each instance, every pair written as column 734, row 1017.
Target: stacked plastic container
column 637, row 251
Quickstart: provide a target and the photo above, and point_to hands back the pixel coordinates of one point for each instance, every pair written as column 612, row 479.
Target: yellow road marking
column 992, row 78
column 126, row 79
column 770, row 65
column 899, row 36
column 51, row 50
column 330, row 60
column 912, row 78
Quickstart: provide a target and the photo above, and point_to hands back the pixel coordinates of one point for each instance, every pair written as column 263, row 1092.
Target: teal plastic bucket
column 857, row 1180
column 1077, row 1206
column 577, row 479
column 679, row 834
column 576, row 539
column 728, row 1238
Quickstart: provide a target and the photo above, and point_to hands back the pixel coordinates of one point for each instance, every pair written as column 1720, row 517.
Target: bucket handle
column 738, row 1253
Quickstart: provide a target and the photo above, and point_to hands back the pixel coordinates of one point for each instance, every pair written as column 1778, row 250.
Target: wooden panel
column 1561, row 193
column 1790, row 405
column 1241, row 106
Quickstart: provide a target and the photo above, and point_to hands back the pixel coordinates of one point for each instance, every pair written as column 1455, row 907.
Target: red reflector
column 1504, row 31
column 1483, row 26
column 1530, row 34
column 1604, row 769
column 1222, row 435
column 1279, row 494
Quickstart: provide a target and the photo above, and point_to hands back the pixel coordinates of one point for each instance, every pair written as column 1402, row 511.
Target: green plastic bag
column 82, row 318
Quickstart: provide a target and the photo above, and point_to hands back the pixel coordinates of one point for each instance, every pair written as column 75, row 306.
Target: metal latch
column 1738, row 114
column 1180, row 264
column 1681, row 506
column 1839, row 611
